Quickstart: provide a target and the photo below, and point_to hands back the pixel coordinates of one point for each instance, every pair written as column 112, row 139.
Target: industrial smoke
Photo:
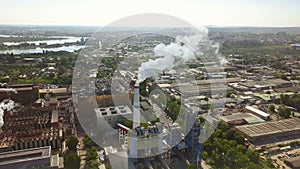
column 5, row 106
column 183, row 49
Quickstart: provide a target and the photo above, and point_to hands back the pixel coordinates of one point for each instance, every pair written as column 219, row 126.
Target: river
column 65, row 39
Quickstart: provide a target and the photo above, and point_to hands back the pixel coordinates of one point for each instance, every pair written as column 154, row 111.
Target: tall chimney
column 136, row 106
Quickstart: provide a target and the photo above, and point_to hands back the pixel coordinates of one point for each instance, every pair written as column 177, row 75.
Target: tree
column 269, row 162
column 281, row 76
column 284, row 99
column 91, row 158
column 72, row 143
column 253, row 155
column 272, row 108
column 91, row 154
column 284, row 112
column 192, row 166
column 228, row 94
column 88, row 142
column 72, row 161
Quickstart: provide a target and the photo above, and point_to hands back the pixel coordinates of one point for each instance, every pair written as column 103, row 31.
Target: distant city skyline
column 267, row 13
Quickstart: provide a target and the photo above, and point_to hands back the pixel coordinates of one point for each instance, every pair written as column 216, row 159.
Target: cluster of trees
column 112, row 62
column 72, row 160
column 173, row 108
column 92, row 158
column 226, row 149
column 283, row 111
column 145, row 89
column 91, row 153
column 293, row 101
column 64, row 63
column 128, row 123
column 281, row 76
column 88, row 142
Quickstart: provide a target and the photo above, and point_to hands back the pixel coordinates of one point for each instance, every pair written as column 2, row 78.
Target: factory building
column 145, row 142
column 27, row 158
column 113, row 115
column 21, row 93
column 271, row 132
column 194, row 145
column 241, row 118
column 36, row 126
column 293, row 162
column 174, row 135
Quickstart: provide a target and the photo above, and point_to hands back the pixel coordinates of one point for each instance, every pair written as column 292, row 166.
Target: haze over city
column 271, row 13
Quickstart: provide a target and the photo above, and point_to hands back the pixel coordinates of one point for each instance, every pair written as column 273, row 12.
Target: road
column 81, row 152
column 160, row 113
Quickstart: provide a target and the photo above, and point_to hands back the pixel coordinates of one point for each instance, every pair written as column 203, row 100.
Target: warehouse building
column 293, row 162
column 257, row 112
column 241, row 118
column 28, row 158
column 271, row 132
column 21, row 93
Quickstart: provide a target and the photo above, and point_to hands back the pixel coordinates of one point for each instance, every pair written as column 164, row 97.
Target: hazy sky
column 198, row 12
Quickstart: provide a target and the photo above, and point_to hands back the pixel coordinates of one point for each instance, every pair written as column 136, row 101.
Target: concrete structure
column 136, row 106
column 28, row 158
column 175, row 135
column 123, row 135
column 146, row 142
column 271, row 132
column 195, row 147
column 113, row 115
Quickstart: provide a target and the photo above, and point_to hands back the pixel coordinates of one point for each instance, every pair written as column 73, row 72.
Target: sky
column 273, row 13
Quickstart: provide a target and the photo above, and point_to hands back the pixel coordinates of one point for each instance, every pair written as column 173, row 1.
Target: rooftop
column 257, row 111
column 54, row 118
column 25, row 155
column 111, row 111
column 294, row 161
column 55, row 91
column 248, row 117
column 268, row 128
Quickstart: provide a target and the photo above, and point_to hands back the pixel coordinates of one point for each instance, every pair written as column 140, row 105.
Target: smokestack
column 136, row 106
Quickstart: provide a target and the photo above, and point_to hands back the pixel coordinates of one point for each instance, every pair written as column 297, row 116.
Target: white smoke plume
column 5, row 106
column 183, row 49
column 223, row 61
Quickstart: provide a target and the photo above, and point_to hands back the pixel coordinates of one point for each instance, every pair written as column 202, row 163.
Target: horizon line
column 99, row 26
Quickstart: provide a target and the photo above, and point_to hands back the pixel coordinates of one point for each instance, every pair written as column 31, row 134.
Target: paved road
column 160, row 114
column 81, row 152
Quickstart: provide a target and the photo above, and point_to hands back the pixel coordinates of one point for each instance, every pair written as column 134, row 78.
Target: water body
column 66, row 39
column 6, row 36
column 40, row 50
